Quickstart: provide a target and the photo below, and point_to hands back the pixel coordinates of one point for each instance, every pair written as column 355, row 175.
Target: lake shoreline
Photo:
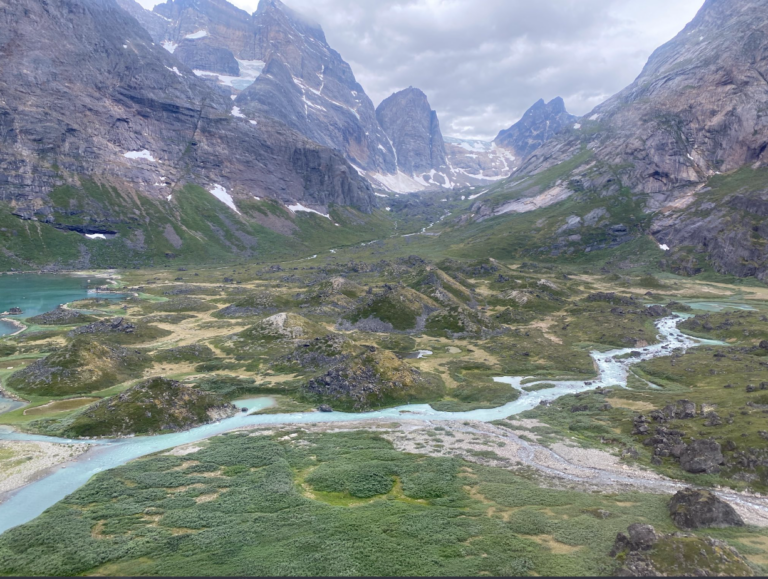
column 16, row 324
column 46, row 458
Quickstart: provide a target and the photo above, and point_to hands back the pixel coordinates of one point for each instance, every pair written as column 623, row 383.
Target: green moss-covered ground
column 325, row 504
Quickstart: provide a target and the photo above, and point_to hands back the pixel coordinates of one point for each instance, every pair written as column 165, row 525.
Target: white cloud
column 484, row 62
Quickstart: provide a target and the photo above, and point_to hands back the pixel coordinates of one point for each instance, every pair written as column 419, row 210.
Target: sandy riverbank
column 24, row 462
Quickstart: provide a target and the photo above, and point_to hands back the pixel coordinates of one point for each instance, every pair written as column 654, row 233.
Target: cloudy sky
column 482, row 63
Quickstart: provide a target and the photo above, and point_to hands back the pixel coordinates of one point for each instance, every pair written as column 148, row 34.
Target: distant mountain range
column 199, row 131
column 678, row 156
column 277, row 63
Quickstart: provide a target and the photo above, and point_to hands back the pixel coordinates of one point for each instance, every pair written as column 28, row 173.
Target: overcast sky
column 482, row 63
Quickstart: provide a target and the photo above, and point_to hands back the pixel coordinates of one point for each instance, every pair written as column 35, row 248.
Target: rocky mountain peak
column 308, row 86
column 540, row 123
column 414, row 129
column 275, row 12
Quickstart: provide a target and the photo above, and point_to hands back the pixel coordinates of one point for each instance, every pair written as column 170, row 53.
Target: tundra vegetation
column 362, row 330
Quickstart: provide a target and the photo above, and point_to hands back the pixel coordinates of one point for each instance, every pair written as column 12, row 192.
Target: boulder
column 698, row 509
column 325, row 408
column 702, row 456
column 641, row 537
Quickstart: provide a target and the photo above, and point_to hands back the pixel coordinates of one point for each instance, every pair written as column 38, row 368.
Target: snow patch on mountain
column 145, row 155
column 399, row 182
column 298, row 207
column 197, row 35
column 221, row 194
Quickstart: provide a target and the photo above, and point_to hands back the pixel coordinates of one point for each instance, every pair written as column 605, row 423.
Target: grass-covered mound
column 81, row 367
column 248, row 306
column 120, row 331
column 61, row 317
column 156, row 405
column 375, row 378
column 732, row 327
column 7, row 350
column 183, row 304
column 459, row 321
column 271, row 337
column 283, row 327
column 442, row 288
column 167, row 318
column 337, row 292
column 475, row 389
column 396, row 308
column 193, row 353
column 230, row 387
column 320, row 353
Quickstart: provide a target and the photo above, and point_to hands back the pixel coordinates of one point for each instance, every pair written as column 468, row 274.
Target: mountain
column 277, row 63
column 156, row 25
column 414, row 130
column 538, row 125
column 479, row 162
column 684, row 145
column 104, row 132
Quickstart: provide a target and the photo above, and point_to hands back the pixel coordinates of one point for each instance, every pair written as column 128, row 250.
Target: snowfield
column 298, row 207
column 145, row 155
column 221, row 194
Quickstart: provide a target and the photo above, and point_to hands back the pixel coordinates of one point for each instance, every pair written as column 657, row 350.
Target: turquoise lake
column 36, row 294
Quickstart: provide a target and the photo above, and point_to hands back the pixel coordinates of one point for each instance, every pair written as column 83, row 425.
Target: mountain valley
column 255, row 324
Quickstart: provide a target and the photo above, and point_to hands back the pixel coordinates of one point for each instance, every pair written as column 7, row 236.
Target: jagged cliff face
column 127, row 111
column 86, row 94
column 156, row 25
column 539, row 124
column 414, row 129
column 696, row 109
column 309, row 87
column 685, row 141
column 278, row 64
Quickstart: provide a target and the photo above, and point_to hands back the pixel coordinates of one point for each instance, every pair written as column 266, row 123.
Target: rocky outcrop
column 702, row 456
column 698, row 509
column 152, row 406
column 539, row 124
column 374, row 378
column 320, row 353
column 639, row 537
column 113, row 326
column 642, row 552
column 61, row 316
